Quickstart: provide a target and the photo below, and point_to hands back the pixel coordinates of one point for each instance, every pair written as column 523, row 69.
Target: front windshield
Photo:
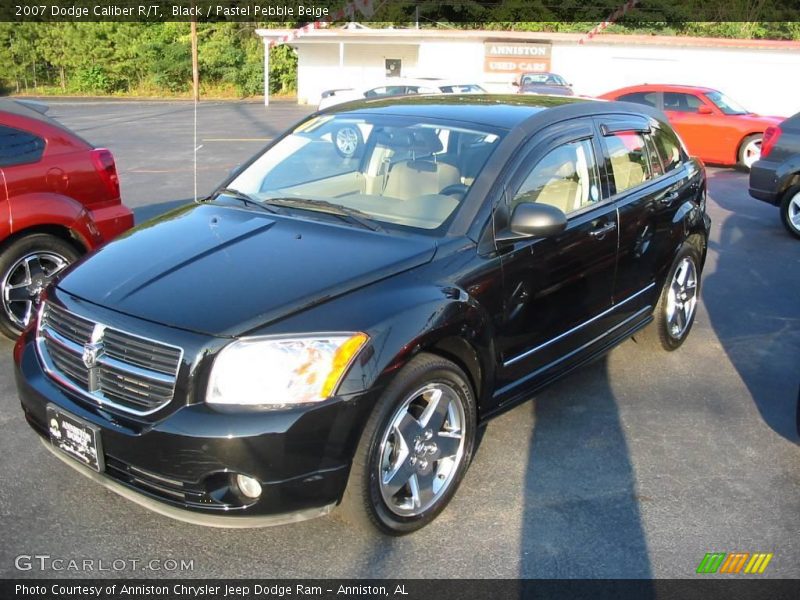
column 725, row 104
column 543, row 78
column 411, row 174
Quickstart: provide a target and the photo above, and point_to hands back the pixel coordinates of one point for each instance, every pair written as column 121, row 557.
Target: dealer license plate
column 75, row 437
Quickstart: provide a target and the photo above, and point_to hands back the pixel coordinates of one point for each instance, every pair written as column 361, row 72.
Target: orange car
column 714, row 128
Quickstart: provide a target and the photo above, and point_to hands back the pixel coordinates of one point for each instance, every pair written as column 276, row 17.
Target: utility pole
column 195, row 69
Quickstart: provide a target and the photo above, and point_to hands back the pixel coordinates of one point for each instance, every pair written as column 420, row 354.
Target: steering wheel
column 455, row 189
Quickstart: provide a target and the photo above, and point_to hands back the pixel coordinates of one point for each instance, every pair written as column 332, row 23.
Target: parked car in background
column 60, row 199
column 775, row 177
column 333, row 330
column 543, row 83
column 397, row 86
column 714, row 127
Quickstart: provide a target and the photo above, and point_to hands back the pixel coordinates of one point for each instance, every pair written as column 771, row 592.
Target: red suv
column 59, row 198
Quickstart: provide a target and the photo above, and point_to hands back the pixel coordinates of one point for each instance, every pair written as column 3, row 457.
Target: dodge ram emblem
column 92, row 352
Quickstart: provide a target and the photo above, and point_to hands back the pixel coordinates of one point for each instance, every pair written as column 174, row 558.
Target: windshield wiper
column 331, row 208
column 245, row 199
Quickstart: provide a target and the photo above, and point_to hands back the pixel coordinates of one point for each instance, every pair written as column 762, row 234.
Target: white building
column 759, row 74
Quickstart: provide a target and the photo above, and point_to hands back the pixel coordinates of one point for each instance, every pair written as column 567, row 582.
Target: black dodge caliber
column 331, row 326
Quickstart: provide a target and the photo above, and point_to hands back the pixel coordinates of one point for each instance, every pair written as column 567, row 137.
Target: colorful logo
column 734, row 562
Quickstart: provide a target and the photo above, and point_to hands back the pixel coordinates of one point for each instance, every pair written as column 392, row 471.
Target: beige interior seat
column 416, row 177
column 412, row 178
column 560, row 193
column 627, row 174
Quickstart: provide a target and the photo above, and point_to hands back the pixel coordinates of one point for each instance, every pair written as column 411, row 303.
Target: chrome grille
column 111, row 367
column 141, row 352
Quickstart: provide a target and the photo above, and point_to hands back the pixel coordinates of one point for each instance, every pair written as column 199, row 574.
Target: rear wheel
column 27, row 265
column 674, row 313
column 790, row 210
column 414, row 450
column 750, row 151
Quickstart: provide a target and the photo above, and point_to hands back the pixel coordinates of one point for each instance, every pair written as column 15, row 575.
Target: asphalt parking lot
column 634, row 467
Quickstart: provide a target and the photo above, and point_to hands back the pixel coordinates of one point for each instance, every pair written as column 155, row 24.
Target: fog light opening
column 249, row 487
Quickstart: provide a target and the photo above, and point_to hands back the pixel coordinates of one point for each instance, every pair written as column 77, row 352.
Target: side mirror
column 515, row 83
column 234, row 170
column 531, row 219
column 704, row 110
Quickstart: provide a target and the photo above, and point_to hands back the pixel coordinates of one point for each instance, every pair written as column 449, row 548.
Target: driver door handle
column 601, row 232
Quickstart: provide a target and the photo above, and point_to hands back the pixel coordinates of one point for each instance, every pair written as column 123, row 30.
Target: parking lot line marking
column 237, row 139
column 176, row 170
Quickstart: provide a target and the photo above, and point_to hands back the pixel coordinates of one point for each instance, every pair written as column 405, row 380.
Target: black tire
column 51, row 254
column 659, row 334
column 348, row 141
column 791, row 204
column 744, row 150
column 363, row 504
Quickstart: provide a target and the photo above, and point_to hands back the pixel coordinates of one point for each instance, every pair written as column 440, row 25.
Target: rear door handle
column 601, row 232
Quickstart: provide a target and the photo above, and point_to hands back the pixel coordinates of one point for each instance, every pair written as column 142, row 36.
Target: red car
column 714, row 128
column 60, row 198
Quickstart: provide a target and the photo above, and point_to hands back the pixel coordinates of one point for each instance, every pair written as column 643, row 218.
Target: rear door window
column 19, row 147
column 656, row 166
column 630, row 162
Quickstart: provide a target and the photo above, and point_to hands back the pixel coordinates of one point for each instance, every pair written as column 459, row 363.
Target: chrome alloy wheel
column 421, row 449
column 681, row 298
column 24, row 282
column 793, row 212
column 751, row 152
column 347, row 141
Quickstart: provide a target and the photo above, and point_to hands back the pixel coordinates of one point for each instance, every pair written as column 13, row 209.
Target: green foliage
column 282, row 70
column 155, row 58
column 92, row 79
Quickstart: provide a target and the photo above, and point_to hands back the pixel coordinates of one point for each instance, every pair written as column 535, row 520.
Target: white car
column 398, row 87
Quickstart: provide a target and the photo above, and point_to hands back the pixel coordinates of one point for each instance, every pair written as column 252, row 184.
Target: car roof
column 25, row 109
column 34, row 112
column 539, row 73
column 402, row 81
column 495, row 110
column 666, row 87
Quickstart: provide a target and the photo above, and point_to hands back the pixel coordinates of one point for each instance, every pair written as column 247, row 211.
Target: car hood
column 764, row 121
column 225, row 271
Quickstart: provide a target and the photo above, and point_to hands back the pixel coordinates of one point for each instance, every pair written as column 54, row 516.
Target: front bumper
column 184, row 465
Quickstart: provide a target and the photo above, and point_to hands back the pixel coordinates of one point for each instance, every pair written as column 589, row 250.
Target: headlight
column 282, row 370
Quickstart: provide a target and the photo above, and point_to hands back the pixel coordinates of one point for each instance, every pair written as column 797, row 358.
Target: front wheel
column 790, row 211
column 749, row 151
column 414, row 450
column 674, row 313
column 27, row 265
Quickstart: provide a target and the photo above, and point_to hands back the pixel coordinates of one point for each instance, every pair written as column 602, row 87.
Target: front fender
column 403, row 316
column 448, row 322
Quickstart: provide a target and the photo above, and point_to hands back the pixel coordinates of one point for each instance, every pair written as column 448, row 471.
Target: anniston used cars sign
column 515, row 58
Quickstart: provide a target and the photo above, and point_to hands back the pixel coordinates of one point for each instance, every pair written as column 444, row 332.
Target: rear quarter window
column 645, row 98
column 19, row 147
